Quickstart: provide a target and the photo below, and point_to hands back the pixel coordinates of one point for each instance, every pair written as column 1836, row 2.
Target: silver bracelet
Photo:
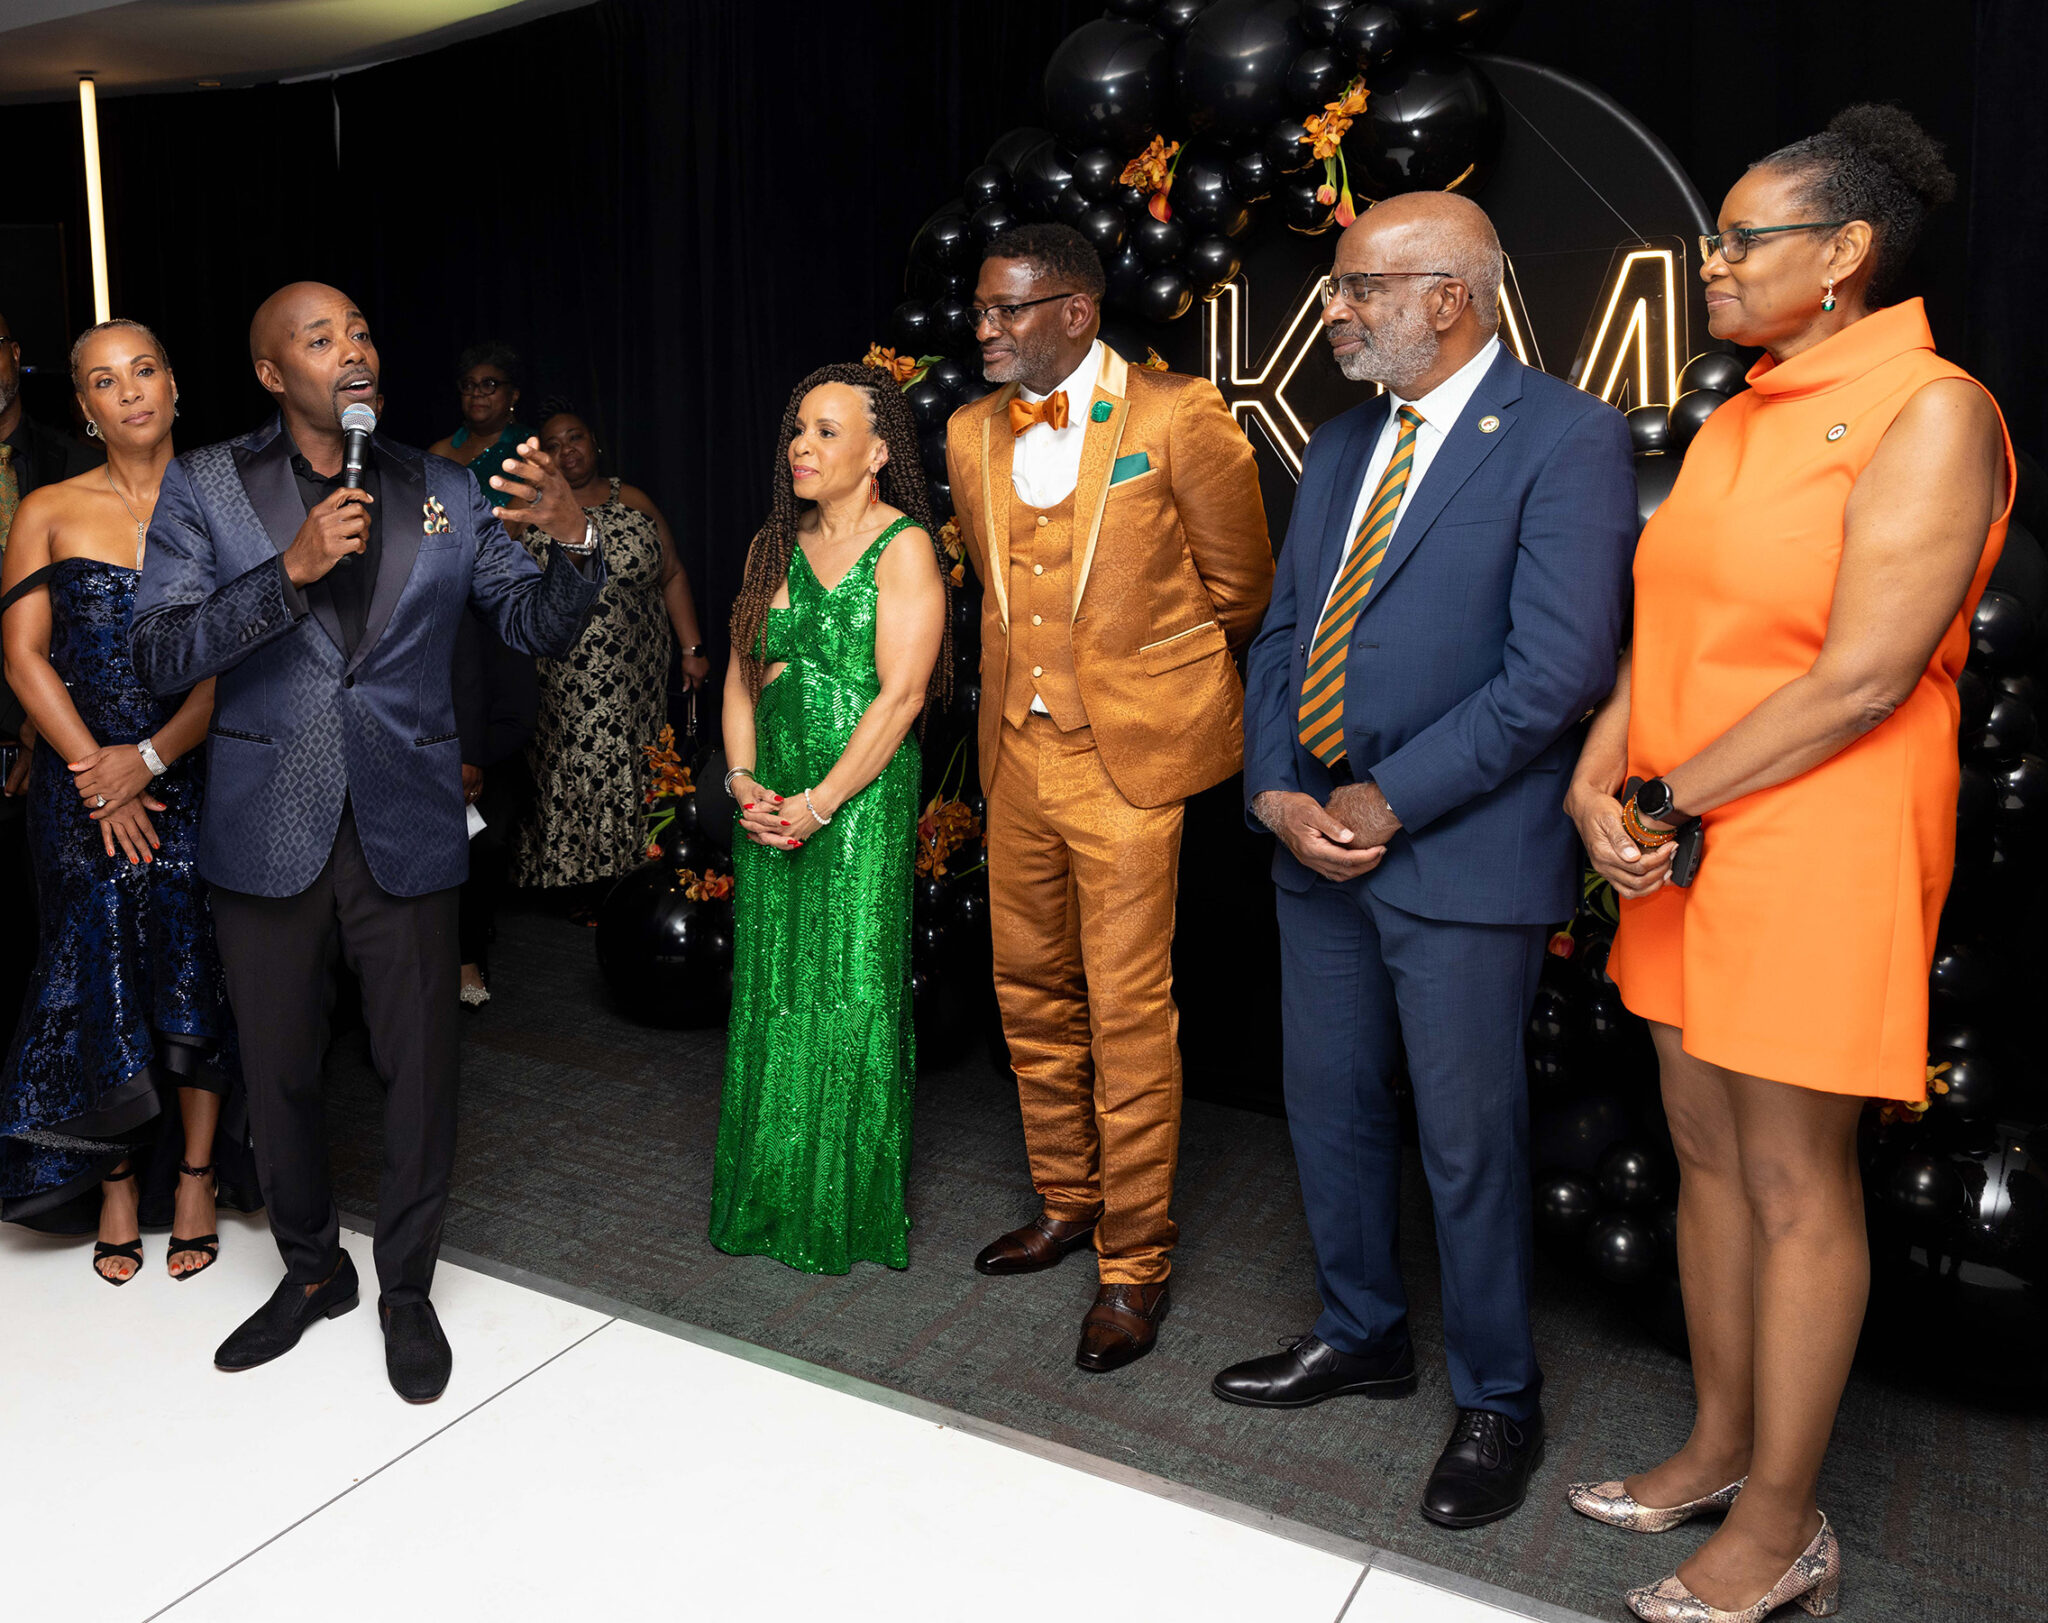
column 731, row 773
column 587, row 545
column 151, row 759
column 813, row 810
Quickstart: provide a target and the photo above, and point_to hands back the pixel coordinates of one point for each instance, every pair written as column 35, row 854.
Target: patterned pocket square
column 436, row 517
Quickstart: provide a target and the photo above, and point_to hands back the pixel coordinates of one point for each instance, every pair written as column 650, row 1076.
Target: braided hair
column 903, row 487
column 1877, row 164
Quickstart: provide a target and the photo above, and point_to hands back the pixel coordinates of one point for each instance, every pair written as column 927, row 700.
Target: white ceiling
column 133, row 45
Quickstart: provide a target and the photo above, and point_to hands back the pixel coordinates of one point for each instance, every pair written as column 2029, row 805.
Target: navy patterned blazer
column 297, row 728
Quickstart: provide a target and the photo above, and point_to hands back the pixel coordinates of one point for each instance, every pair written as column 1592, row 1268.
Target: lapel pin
column 1838, row 431
column 1488, row 424
column 436, row 517
column 1100, row 412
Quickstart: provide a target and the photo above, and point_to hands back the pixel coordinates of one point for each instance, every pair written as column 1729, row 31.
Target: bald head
column 311, row 349
column 1431, row 231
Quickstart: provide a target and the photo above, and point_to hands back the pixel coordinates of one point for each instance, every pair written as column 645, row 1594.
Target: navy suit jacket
column 297, row 728
column 1491, row 630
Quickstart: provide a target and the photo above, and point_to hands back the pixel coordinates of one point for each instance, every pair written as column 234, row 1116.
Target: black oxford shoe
column 275, row 1327
column 416, row 1353
column 1483, row 1472
column 1310, row 1371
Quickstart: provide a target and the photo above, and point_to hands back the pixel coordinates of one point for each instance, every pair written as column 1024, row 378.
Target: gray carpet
column 585, row 1156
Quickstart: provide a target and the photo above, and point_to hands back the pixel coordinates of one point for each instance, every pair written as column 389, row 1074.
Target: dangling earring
column 874, row 487
column 1827, row 298
column 174, row 406
column 92, row 429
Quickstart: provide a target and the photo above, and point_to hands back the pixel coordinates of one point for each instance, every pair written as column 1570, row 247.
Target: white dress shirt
column 1047, row 464
column 1439, row 410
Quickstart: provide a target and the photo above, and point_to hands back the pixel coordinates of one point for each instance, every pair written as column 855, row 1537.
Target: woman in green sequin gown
column 836, row 637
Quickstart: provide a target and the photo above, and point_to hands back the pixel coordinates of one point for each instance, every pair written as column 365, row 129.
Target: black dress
column 127, row 1002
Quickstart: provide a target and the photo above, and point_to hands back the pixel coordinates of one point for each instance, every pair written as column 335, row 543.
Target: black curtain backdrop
column 675, row 210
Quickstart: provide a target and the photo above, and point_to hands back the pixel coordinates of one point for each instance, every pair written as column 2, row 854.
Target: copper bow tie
column 1051, row 411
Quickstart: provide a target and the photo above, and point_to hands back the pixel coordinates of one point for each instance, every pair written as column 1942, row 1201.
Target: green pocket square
column 1129, row 467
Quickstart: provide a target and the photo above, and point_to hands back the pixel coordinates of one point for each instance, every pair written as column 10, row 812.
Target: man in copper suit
column 1113, row 515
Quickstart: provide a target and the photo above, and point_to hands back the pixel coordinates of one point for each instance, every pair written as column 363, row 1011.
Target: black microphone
column 358, row 423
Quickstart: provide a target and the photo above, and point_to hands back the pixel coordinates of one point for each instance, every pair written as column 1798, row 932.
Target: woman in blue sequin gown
column 126, row 1019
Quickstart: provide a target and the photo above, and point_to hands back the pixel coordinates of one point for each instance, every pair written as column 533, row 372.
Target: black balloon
column 1071, row 207
column 1126, row 273
column 986, row 183
column 941, row 494
column 1251, row 177
column 1632, row 1177
column 666, row 958
column 1317, row 77
column 1009, row 148
column 929, row 404
column 2009, row 728
column 1461, row 23
column 1976, row 809
column 970, row 914
column 1301, row 208
column 1288, row 151
column 931, row 450
column 1097, row 173
column 1131, row 8
column 1160, row 241
column 1649, row 428
column 990, row 221
column 1433, row 123
column 1622, row 1249
column 1319, row 18
column 1606, row 1020
column 2001, row 630
column 1104, row 227
column 1041, row 175
column 1974, row 1087
column 1550, row 1018
column 953, row 322
column 1713, row 370
column 1165, row 296
column 2005, row 1210
column 1690, row 410
column 911, row 329
column 1565, row 1207
column 1175, row 17
column 1212, row 262
column 2022, row 570
column 1573, row 1135
column 1231, row 67
column 944, row 242
column 1107, row 85
column 1549, row 1073
column 2022, row 788
column 1655, row 475
column 1201, row 189
column 959, row 383
column 1921, row 1191
column 1962, row 979
column 1371, row 35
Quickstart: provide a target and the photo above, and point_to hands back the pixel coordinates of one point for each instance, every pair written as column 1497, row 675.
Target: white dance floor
column 582, row 1466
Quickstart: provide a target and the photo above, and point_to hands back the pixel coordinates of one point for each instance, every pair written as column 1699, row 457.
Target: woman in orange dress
column 1803, row 600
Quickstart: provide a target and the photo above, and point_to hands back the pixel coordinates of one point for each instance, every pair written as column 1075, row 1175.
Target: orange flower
column 710, row 887
column 1326, row 130
column 1152, row 169
column 1154, row 361
column 944, row 828
column 902, row 368
column 1326, row 195
column 670, row 775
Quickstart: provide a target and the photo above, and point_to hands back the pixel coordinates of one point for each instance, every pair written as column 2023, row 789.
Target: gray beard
column 1398, row 354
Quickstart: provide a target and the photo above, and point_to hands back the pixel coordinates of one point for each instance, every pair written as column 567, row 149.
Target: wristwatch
column 587, row 545
column 1654, row 800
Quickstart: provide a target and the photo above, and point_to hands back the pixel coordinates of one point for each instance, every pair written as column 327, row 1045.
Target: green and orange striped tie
column 1320, row 718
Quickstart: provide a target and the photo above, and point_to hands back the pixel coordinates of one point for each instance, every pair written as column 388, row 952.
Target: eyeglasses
column 1355, row 287
column 482, row 386
column 1733, row 245
column 1004, row 315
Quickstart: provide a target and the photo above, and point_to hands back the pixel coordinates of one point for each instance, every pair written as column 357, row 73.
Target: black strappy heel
column 127, row 1250
column 209, row 1244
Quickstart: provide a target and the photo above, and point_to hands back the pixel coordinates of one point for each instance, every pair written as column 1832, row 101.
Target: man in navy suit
column 1448, row 607
column 334, row 808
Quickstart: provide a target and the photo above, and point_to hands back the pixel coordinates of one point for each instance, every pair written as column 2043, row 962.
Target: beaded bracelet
column 813, row 810
column 1648, row 838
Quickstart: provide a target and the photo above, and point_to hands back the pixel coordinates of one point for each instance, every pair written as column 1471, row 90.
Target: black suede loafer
column 275, row 1327
column 1483, row 1472
column 416, row 1353
column 1310, row 1371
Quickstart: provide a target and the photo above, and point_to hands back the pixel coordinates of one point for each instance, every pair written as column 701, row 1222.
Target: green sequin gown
column 814, row 1130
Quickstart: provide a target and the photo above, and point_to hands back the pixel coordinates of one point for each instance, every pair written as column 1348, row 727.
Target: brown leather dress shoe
column 1121, row 1327
column 1037, row 1245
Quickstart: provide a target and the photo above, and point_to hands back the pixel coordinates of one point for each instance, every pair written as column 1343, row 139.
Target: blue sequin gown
column 127, row 1002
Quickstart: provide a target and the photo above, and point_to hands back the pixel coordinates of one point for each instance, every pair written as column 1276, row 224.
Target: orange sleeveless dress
column 1802, row 950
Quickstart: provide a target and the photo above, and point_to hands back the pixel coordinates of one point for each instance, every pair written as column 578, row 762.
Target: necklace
column 141, row 525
